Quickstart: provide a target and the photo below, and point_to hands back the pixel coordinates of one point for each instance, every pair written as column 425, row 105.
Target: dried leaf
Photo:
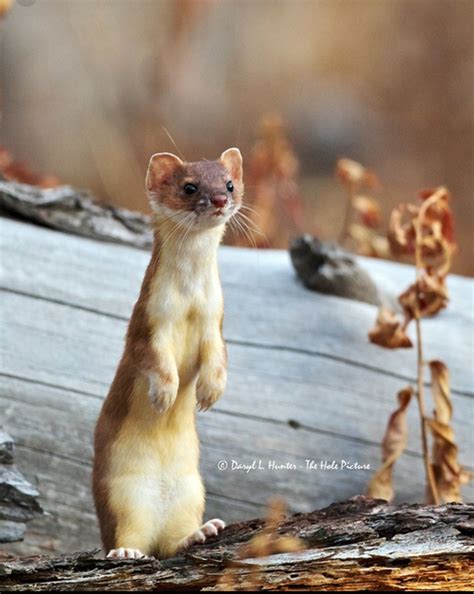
column 436, row 230
column 368, row 242
column 263, row 544
column 276, row 203
column 269, row 542
column 439, row 210
column 441, row 392
column 368, row 210
column 5, row 6
column 449, row 474
column 388, row 331
column 394, row 442
column 401, row 230
column 13, row 170
column 428, row 296
column 353, row 174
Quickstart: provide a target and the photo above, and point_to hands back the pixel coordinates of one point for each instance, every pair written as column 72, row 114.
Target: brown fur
column 138, row 355
column 165, row 181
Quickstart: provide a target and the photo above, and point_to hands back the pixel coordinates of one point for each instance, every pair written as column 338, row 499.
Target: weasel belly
column 153, row 470
column 148, row 486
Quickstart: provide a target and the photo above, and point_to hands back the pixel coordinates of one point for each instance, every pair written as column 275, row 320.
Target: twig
column 419, row 346
column 347, row 215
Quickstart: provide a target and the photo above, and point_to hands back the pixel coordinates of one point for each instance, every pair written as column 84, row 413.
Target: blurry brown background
column 88, row 84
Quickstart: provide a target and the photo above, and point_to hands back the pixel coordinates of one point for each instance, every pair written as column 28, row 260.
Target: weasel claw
column 123, row 553
column 210, row 528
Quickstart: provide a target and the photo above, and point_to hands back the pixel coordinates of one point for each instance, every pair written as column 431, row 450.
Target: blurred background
column 90, row 88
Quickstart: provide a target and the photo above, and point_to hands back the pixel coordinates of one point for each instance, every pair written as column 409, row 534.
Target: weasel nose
column 219, row 200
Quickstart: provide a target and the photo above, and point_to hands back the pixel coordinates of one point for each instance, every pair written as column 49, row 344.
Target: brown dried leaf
column 441, row 391
column 449, row 474
column 401, row 230
column 13, row 170
column 368, row 242
column 5, row 6
column 353, row 174
column 276, row 203
column 394, row 442
column 368, row 210
column 428, row 295
column 435, row 225
column 388, row 331
column 269, row 542
column 436, row 230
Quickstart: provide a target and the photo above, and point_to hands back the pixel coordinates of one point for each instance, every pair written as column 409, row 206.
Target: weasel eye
column 190, row 189
column 230, row 186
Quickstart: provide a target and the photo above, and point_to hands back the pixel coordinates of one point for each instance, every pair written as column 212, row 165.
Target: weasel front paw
column 210, row 386
column 123, row 553
column 210, row 528
column 162, row 391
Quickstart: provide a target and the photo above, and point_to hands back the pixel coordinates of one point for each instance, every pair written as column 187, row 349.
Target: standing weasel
column 148, row 492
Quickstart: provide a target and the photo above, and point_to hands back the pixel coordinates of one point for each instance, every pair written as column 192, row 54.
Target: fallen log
column 75, row 211
column 358, row 544
column 18, row 498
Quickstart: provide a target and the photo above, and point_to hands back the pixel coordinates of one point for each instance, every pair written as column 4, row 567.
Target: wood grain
column 259, row 286
column 360, row 544
column 304, row 383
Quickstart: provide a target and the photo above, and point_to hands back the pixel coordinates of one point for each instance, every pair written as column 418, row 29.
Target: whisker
column 253, row 226
column 188, row 229
column 181, row 219
column 236, row 229
column 174, row 143
column 245, row 231
column 232, row 227
column 249, row 220
column 169, row 235
column 247, row 207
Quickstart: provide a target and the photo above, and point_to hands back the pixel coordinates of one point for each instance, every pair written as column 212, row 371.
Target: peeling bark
column 75, row 211
column 18, row 498
column 353, row 545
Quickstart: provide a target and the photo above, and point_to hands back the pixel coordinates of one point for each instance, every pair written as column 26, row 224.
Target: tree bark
column 358, row 544
column 18, row 498
column 75, row 211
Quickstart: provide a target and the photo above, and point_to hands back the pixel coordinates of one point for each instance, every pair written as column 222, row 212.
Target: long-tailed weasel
column 148, row 492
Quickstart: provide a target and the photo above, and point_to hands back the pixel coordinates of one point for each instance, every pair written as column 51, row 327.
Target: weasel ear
column 232, row 161
column 161, row 169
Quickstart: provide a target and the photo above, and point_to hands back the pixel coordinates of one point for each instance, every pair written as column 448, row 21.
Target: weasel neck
column 185, row 259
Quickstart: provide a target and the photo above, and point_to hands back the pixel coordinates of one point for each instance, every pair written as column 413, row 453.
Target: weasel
column 148, row 493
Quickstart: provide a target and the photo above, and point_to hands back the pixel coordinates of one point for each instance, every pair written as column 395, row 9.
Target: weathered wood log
column 7, row 448
column 322, row 267
column 75, row 211
column 304, row 382
column 360, row 544
column 18, row 498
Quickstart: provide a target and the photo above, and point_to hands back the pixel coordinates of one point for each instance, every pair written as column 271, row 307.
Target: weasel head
column 196, row 195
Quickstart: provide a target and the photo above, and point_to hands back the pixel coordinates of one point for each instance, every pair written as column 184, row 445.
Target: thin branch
column 419, row 346
column 347, row 215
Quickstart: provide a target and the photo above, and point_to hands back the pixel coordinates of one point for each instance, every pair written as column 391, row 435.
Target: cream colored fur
column 156, row 492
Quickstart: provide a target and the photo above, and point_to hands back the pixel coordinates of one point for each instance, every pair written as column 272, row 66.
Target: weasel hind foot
column 210, row 528
column 123, row 553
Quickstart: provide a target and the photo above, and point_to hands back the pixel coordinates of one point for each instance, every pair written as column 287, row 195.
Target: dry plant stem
column 421, row 407
column 419, row 345
column 347, row 216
